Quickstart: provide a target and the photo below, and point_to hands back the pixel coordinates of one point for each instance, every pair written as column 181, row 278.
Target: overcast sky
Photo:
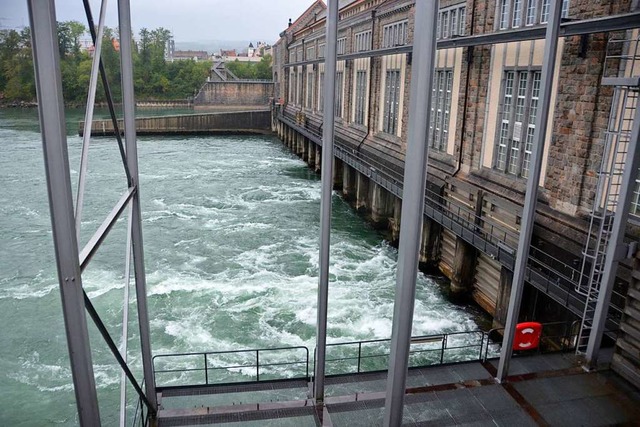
column 188, row 20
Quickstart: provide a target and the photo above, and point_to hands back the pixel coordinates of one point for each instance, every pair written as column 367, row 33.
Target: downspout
column 370, row 100
column 466, row 91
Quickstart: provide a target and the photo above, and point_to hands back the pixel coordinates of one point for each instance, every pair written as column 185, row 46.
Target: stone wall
column 236, row 93
column 192, row 124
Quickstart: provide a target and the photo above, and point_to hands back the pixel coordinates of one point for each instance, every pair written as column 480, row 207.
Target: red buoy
column 527, row 336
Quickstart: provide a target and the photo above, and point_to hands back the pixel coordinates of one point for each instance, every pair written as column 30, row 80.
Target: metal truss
column 71, row 260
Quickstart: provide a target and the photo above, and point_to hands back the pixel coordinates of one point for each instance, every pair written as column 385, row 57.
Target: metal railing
column 372, row 355
column 344, row 358
column 231, row 366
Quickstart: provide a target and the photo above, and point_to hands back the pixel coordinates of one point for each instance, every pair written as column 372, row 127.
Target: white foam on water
column 98, row 282
column 25, row 291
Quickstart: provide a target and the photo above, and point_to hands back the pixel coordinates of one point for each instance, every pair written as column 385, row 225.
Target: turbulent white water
column 231, row 229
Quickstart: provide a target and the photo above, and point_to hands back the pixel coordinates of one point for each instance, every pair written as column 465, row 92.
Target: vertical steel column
column 46, row 61
column 531, row 196
column 129, row 111
column 325, row 201
column 422, row 70
column 88, row 118
column 617, row 235
column 125, row 321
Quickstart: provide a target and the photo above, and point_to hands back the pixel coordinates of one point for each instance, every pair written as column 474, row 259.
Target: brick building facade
column 484, row 106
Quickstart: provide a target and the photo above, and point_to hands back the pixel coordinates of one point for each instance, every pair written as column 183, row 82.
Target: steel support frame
column 325, row 201
column 531, row 196
column 101, row 233
column 42, row 21
column 415, row 174
column 624, row 21
column 611, row 261
column 129, row 113
column 88, row 118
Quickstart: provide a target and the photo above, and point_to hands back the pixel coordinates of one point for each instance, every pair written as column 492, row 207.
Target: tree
column 251, row 70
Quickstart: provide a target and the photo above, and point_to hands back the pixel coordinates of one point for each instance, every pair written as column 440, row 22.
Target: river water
column 231, row 229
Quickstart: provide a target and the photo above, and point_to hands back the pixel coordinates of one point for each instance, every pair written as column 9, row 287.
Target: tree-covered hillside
column 154, row 77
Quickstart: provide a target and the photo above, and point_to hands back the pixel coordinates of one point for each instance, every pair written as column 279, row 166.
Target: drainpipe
column 466, row 92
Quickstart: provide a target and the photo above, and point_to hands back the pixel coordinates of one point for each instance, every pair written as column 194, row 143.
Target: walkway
column 542, row 390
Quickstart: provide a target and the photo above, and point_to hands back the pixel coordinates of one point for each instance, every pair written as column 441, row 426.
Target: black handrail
column 205, row 368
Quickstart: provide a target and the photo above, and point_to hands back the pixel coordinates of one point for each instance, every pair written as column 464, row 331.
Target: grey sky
column 188, row 20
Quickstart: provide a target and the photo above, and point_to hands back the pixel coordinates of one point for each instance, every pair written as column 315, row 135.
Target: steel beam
column 415, row 174
column 129, row 112
column 101, row 233
column 325, row 201
column 611, row 261
column 531, row 196
column 107, row 93
column 46, row 61
column 88, row 119
column 125, row 323
column 620, row 22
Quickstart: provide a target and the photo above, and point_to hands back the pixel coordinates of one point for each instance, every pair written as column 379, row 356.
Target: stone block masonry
column 235, row 93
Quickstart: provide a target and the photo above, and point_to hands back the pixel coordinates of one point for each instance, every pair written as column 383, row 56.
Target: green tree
column 251, row 70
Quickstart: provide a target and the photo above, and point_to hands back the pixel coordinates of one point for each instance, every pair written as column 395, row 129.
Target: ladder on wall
column 624, row 57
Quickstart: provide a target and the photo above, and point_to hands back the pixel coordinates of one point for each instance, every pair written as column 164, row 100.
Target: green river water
column 231, row 228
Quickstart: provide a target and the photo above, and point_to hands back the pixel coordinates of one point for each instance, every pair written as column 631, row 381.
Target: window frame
column 395, row 34
column 442, row 95
column 512, row 157
column 391, row 108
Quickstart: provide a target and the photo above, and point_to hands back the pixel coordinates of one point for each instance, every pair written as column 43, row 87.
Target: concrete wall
column 235, row 93
column 190, row 124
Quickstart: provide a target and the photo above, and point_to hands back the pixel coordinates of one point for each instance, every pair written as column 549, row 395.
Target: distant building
column 196, row 55
column 231, row 53
column 170, row 50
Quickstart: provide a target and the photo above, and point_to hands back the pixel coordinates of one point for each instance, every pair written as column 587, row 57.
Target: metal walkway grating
column 232, row 388
column 304, row 416
column 543, row 390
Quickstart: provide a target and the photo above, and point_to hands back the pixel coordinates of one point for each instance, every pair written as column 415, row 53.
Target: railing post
column 359, row 355
column 206, row 370
column 444, row 342
column 257, row 365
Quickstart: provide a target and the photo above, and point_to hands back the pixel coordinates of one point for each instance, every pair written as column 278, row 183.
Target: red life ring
column 527, row 336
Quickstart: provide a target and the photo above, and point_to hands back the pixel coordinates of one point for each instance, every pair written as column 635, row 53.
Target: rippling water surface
column 231, row 229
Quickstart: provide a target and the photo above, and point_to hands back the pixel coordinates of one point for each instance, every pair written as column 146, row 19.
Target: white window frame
column 441, row 109
column 310, row 87
column 341, row 46
column 362, row 41
column 395, row 34
column 392, row 91
column 451, row 21
column 519, row 13
column 517, row 121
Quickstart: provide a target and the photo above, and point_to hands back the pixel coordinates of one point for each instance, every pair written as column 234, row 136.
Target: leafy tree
column 154, row 78
column 251, row 70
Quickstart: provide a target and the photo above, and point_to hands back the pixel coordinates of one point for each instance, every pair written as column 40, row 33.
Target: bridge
column 440, row 379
